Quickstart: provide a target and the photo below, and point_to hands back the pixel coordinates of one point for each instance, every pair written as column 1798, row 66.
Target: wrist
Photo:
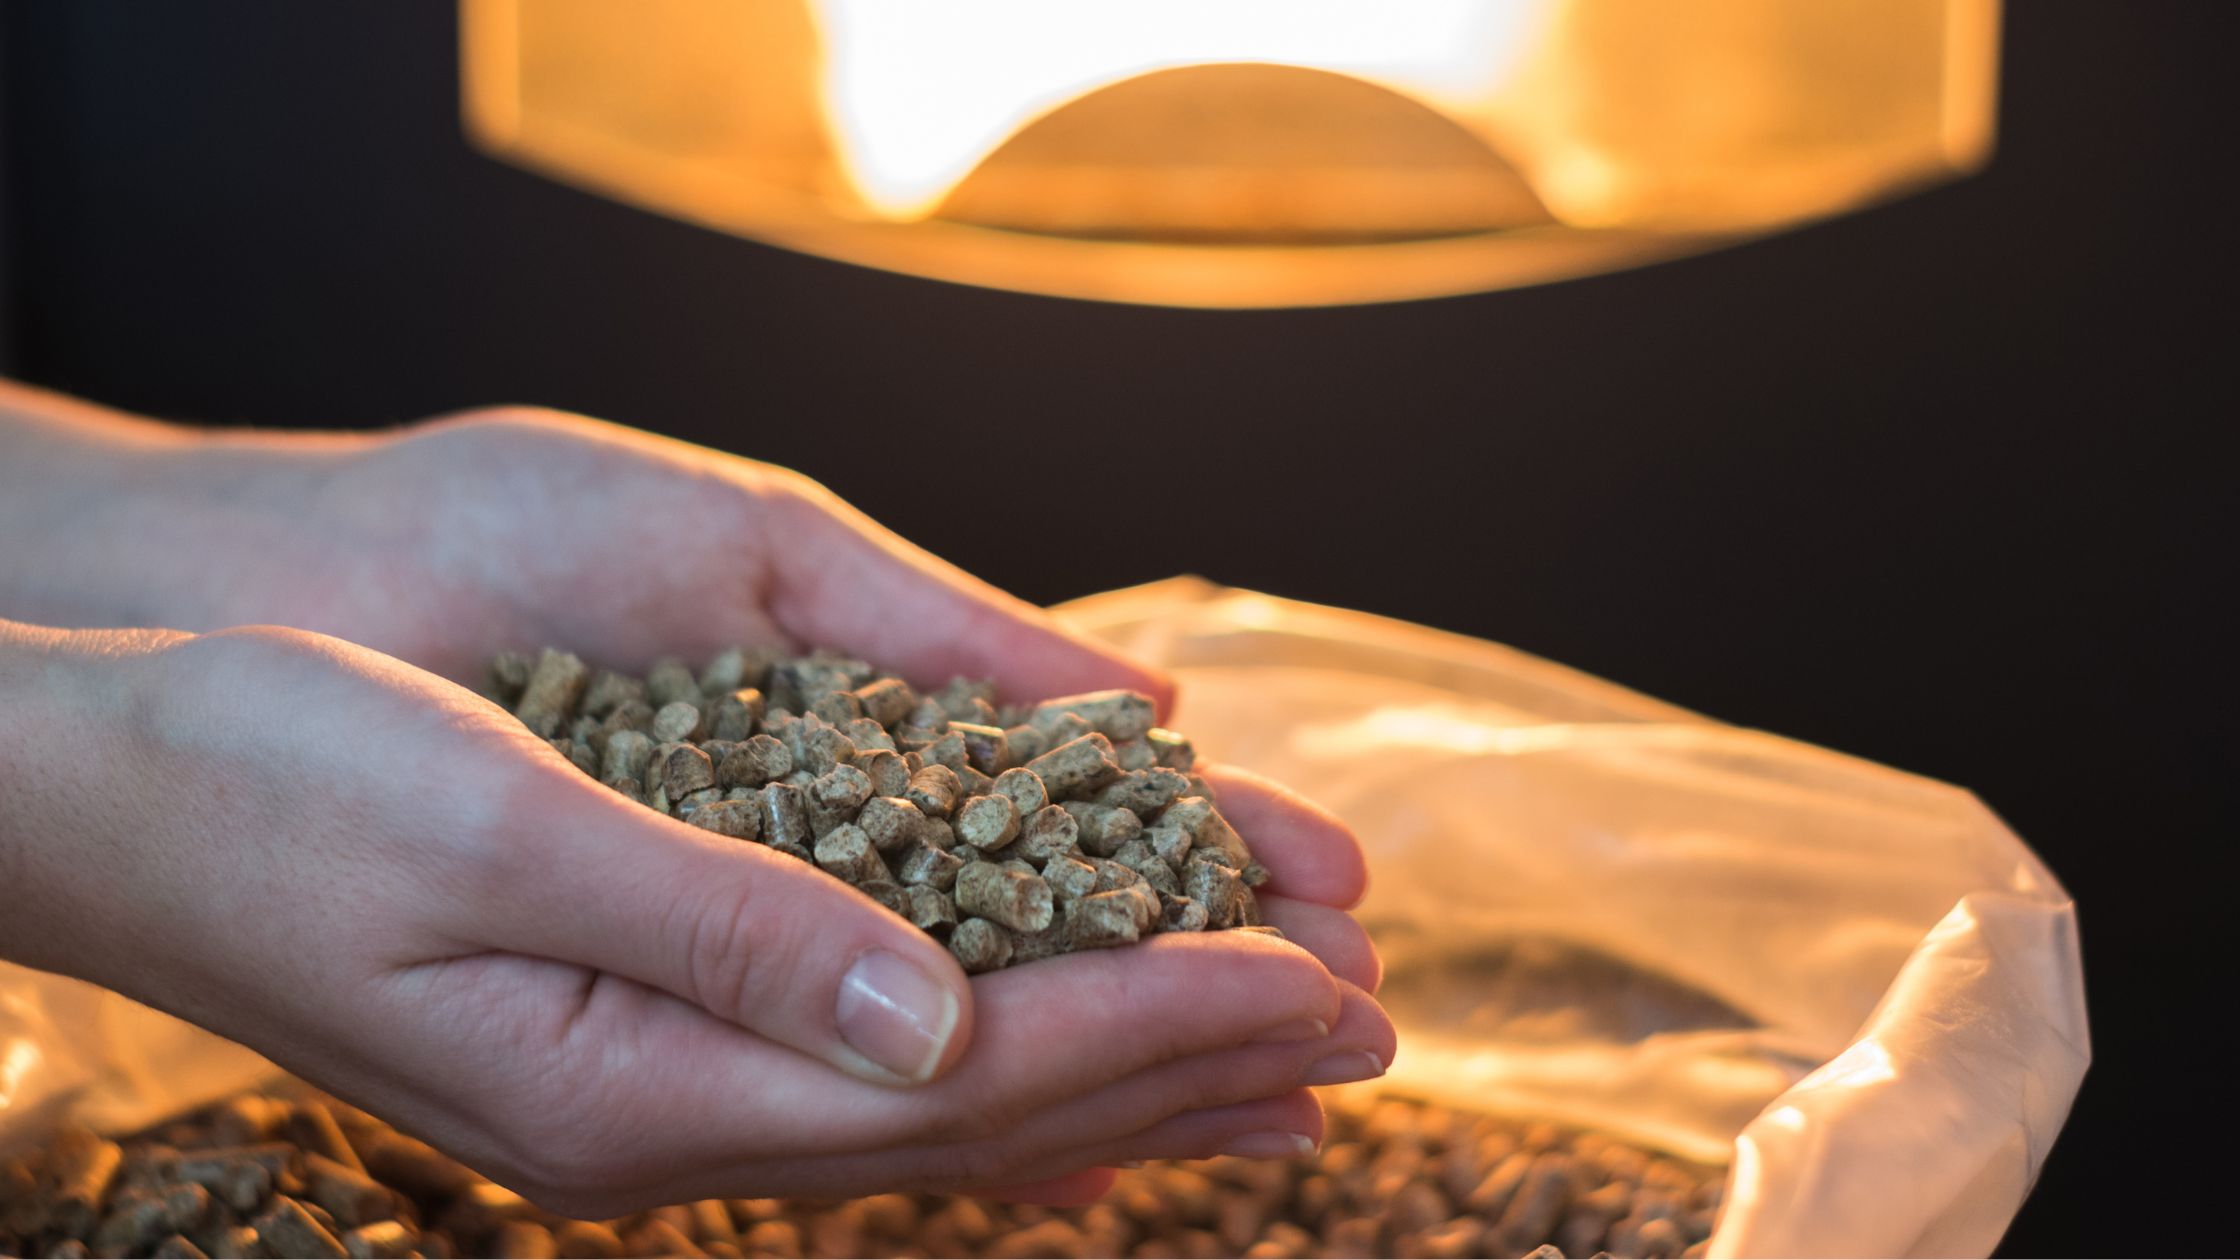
column 71, row 771
column 126, row 521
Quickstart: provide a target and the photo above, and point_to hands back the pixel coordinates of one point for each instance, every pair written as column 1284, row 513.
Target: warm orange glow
column 919, row 95
column 1245, row 153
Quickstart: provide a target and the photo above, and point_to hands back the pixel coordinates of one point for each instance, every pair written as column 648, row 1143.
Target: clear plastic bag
column 1854, row 986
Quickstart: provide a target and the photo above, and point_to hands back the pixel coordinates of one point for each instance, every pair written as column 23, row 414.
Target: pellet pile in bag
column 1852, row 989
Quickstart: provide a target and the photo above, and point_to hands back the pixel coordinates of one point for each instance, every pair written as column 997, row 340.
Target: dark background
column 1947, row 484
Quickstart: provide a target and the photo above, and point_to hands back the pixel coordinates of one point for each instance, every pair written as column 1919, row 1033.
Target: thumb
column 843, row 578
column 750, row 935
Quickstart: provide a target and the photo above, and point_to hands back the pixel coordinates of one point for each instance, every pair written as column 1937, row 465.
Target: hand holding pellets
column 1012, row 834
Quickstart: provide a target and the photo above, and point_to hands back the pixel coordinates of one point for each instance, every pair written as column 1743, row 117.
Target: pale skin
column 281, row 815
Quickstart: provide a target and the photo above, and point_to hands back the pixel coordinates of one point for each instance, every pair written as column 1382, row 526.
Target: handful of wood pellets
column 292, row 1173
column 1010, row 833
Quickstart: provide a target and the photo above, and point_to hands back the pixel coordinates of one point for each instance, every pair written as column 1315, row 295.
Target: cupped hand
column 521, row 528
column 391, row 887
column 598, row 1004
column 446, row 542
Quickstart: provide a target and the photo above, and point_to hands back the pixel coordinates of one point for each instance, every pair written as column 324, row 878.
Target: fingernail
column 1270, row 1144
column 1337, row 1069
column 1293, row 1030
column 895, row 1015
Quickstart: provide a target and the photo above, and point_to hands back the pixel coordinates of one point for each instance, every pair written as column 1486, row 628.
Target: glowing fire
column 919, row 94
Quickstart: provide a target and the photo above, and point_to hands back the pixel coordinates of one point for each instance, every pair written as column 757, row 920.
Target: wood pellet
column 292, row 1173
column 1010, row 833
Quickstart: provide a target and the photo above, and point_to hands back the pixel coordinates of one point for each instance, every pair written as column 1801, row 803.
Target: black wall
column 1948, row 484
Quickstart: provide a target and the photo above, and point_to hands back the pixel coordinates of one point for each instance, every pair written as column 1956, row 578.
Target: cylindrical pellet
column 888, row 774
column 679, row 769
column 736, row 715
column 1104, row 828
column 930, row 867
column 350, row 1196
column 730, row 669
column 893, row 823
column 380, row 1240
column 933, row 790
column 1047, row 833
column 288, row 1230
column 931, row 910
column 988, row 823
column 1217, row 888
column 1101, row 920
column 1019, row 902
column 80, row 1169
column 677, row 720
column 1025, row 789
column 986, row 748
column 1175, row 752
column 1138, row 856
column 842, row 788
column 886, row 700
column 1539, row 1202
column 670, row 680
column 980, row 946
column 758, row 760
column 1069, row 877
column 1143, row 792
column 1171, row 843
column 239, row 1181
column 847, row 853
column 785, row 816
column 740, row 820
column 1114, row 714
column 551, row 693
column 1076, row 766
column 822, row 748
column 1181, row 914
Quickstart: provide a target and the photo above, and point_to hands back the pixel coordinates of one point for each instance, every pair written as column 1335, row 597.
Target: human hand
column 447, row 541
column 391, row 887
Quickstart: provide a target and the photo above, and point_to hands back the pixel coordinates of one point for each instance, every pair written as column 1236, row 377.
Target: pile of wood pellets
column 1011, row 833
column 291, row 1173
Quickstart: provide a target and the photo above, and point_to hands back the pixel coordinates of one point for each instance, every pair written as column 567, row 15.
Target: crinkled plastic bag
column 1856, row 987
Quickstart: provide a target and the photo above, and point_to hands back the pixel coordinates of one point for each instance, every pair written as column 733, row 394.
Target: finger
column 1046, row 1143
column 1288, row 1126
column 1310, row 851
column 843, row 578
column 1052, row 1028
column 1359, row 1046
column 1331, row 935
column 1077, row 1189
column 1045, row 1034
column 764, row 941
column 614, row 1095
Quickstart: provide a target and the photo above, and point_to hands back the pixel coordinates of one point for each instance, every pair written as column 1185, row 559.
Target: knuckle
column 506, row 417
column 742, row 949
